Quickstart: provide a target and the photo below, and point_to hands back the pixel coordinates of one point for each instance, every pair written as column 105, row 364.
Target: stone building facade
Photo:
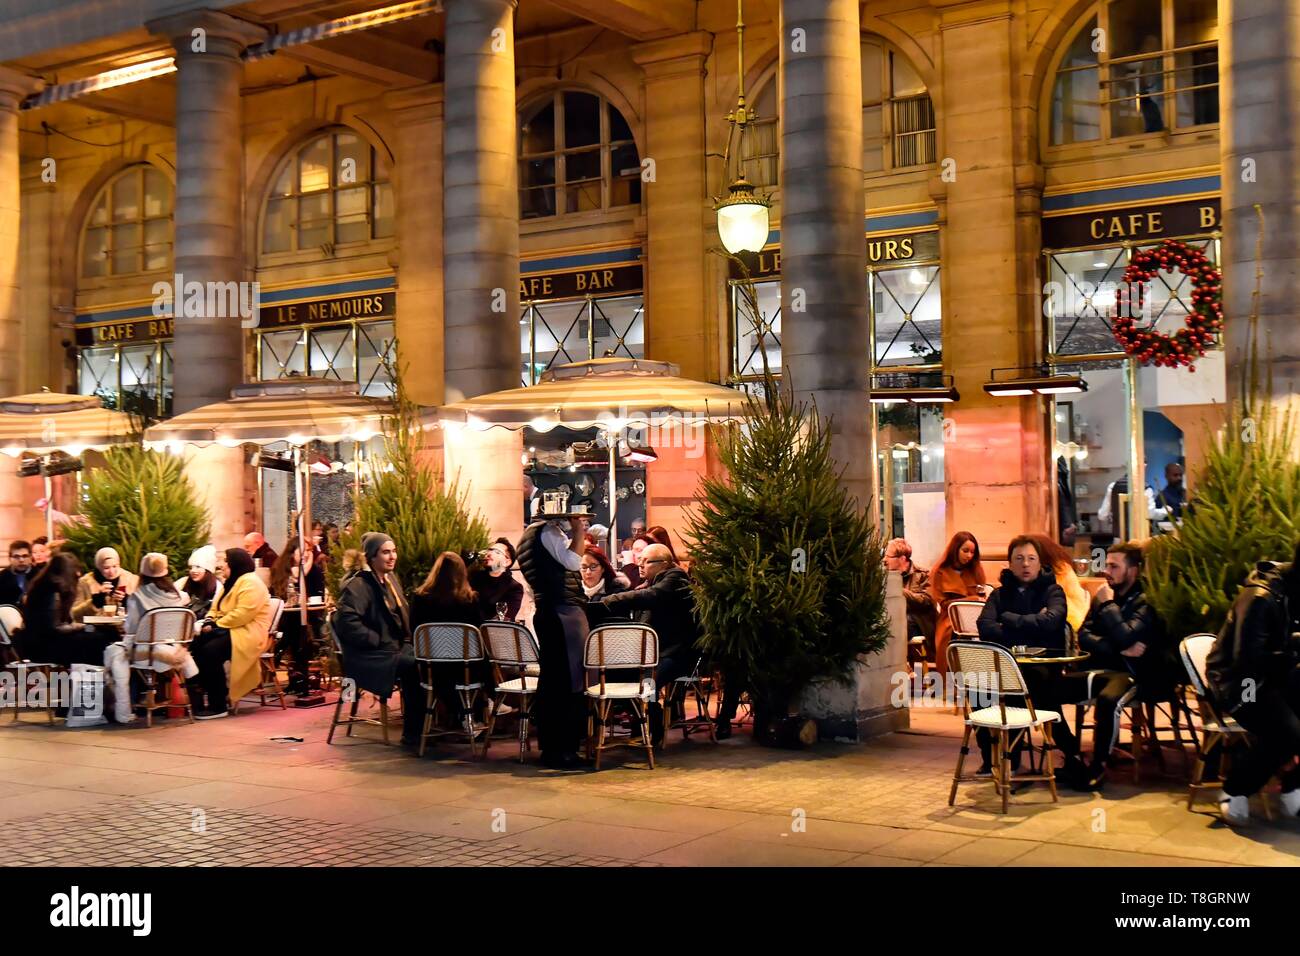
column 498, row 187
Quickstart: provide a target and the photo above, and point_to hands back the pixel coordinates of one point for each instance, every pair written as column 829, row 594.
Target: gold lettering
column 1153, row 223
column 581, row 278
column 1116, row 228
column 905, row 245
column 1134, row 223
column 873, row 251
column 1095, row 228
column 891, row 249
column 609, row 279
column 1208, row 219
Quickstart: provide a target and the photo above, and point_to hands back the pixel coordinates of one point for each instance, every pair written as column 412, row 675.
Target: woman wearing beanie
column 202, row 586
column 235, row 630
column 155, row 590
column 106, row 583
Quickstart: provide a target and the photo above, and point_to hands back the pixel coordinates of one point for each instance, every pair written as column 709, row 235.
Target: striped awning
column 344, row 25
column 284, row 411
column 45, row 422
column 606, row 392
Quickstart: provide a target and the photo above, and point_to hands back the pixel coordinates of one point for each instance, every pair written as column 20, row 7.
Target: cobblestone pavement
column 132, row 795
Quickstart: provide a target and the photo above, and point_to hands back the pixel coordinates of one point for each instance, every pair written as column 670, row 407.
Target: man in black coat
column 15, row 579
column 667, row 605
column 1125, row 640
column 372, row 623
column 1254, row 674
column 1028, row 609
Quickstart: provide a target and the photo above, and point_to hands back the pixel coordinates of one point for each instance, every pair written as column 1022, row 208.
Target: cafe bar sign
column 1132, row 224
column 881, row 251
column 337, row 308
column 125, row 331
column 575, row 284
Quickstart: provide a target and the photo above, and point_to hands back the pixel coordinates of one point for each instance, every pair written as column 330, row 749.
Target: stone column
column 826, row 354
column 13, row 87
column 481, row 249
column 996, row 483
column 208, row 351
column 677, row 324
column 1259, row 115
column 417, row 113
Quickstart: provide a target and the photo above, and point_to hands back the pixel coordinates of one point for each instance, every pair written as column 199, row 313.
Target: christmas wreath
column 1203, row 323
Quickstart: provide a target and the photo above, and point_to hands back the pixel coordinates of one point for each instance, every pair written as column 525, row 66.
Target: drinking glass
column 502, row 607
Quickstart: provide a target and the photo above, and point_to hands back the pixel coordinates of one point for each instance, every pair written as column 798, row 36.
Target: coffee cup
column 110, row 610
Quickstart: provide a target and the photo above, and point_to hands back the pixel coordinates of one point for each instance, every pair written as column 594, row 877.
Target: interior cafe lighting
column 1037, row 381
column 743, row 215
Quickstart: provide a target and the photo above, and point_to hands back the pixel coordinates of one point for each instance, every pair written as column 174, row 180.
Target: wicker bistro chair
column 1218, row 730
column 693, row 684
column 159, row 628
column 348, row 692
column 450, row 644
column 620, row 647
column 989, row 670
column 269, row 679
column 11, row 619
column 512, row 647
column 964, row 616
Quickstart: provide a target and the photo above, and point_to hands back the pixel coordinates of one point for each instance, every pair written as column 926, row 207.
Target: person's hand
column 108, row 587
column 1104, row 593
column 1137, row 650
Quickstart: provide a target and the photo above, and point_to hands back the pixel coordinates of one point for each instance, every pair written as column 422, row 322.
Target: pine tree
column 139, row 501
column 407, row 501
column 788, row 574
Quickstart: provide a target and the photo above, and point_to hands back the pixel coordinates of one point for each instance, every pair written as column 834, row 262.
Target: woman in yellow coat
column 236, row 630
column 1077, row 600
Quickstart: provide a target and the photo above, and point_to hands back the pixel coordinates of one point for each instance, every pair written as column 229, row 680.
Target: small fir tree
column 139, row 501
column 788, row 574
column 408, row 501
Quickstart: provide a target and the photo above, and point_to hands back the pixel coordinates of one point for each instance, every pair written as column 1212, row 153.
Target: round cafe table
column 1045, row 660
column 113, row 620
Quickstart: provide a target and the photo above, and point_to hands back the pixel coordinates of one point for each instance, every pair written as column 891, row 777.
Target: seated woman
column 107, row 583
column 49, row 634
column 599, row 579
column 155, row 590
column 1061, row 564
column 293, row 584
column 445, row 597
column 201, row 586
column 235, row 630
column 957, row 576
column 495, row 584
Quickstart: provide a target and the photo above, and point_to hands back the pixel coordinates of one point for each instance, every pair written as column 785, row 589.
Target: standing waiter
column 549, row 560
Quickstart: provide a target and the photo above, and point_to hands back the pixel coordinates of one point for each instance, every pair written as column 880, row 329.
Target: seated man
column 1028, row 609
column 922, row 613
column 667, row 605
column 1125, row 640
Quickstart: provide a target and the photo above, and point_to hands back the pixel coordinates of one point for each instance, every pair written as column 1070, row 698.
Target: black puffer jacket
column 1032, row 615
column 667, row 605
column 1258, row 642
column 1115, row 626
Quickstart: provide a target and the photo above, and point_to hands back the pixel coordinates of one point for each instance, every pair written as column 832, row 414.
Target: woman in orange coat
column 957, row 576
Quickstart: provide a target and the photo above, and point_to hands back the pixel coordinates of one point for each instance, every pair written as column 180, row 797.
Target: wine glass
column 502, row 607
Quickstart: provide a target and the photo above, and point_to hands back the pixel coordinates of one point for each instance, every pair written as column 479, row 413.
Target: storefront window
column 576, row 154
column 910, row 450
column 129, row 229
column 133, row 378
column 572, row 330
column 333, row 190
column 361, row 352
column 757, row 332
column 1138, row 67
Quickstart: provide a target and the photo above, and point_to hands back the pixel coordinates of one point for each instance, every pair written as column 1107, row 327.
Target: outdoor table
column 1040, row 659
column 116, row 620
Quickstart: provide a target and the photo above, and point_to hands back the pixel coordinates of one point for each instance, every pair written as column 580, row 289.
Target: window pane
column 165, row 381
column 620, row 326
column 538, row 132
column 1195, row 21
column 626, row 168
column 284, row 182
column 905, row 79
column 277, row 232
column 908, row 316
column 313, row 166
column 580, row 166
column 873, row 71
column 282, row 353
column 1134, row 28
column 756, row 333
column 913, row 131
column 762, row 153
column 97, row 374
column 157, row 244
column 873, row 140
column 126, row 248
column 99, row 216
column 331, row 354
column 126, row 197
column 139, row 380
column 353, row 159
column 561, row 330
column 93, row 253
column 383, row 211
column 1076, row 107
column 1081, row 52
column 581, row 120
column 618, row 128
column 157, row 194
column 375, row 346
column 350, row 210
column 314, row 220
column 536, row 192
column 1170, row 299
column 1137, row 104
column 1085, row 287
column 1198, row 86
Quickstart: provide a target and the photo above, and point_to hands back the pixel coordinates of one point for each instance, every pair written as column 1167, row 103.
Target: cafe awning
column 604, row 392
column 295, row 411
column 45, row 422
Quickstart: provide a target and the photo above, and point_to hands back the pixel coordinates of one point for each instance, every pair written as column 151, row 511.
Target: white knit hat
column 103, row 554
column 205, row 558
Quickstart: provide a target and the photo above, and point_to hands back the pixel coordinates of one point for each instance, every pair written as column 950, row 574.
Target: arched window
column 332, row 190
column 1138, row 67
column 762, row 140
column 576, row 154
column 897, row 113
column 129, row 229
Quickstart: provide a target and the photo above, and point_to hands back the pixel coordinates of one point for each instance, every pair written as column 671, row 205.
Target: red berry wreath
column 1204, row 321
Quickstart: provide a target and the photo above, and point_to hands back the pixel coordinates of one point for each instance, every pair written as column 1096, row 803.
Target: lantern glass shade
column 743, row 219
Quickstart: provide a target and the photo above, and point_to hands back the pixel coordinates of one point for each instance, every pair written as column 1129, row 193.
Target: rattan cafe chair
column 516, row 665
column 989, row 673
column 676, row 691
column 620, row 647
column 268, row 684
column 11, row 619
column 457, row 644
column 162, row 628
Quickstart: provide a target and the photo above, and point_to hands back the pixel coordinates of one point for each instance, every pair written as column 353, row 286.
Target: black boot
column 198, row 700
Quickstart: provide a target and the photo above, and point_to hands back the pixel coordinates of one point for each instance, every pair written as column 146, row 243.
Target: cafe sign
column 881, row 251
column 125, row 332
column 575, row 284
column 338, row 308
column 1132, row 224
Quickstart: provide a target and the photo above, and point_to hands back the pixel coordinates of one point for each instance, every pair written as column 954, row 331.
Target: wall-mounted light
column 1032, row 380
column 890, row 387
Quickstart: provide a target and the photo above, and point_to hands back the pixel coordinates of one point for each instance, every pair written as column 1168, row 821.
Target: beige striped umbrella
column 46, row 422
column 610, row 393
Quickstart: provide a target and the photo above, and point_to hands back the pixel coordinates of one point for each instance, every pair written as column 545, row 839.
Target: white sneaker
column 1235, row 810
column 505, row 709
column 1290, row 803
